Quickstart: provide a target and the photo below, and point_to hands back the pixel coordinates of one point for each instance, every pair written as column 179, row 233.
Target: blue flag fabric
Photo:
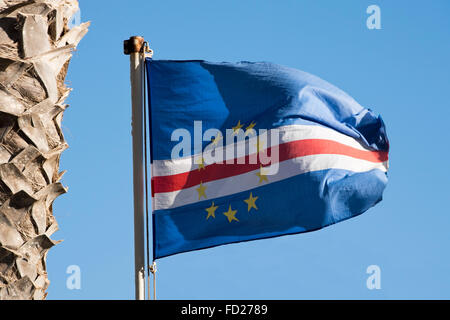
column 311, row 156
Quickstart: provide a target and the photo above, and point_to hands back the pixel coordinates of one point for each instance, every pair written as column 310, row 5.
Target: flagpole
column 134, row 48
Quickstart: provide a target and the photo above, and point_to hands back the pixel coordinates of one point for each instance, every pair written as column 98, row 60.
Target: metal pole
column 134, row 48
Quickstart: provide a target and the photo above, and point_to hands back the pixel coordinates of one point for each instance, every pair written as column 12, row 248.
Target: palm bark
column 35, row 49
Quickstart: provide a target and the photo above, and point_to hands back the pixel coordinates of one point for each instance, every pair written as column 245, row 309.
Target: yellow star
column 251, row 202
column 201, row 164
column 211, row 211
column 260, row 145
column 201, row 191
column 262, row 177
column 237, row 127
column 216, row 140
column 230, row 214
column 250, row 126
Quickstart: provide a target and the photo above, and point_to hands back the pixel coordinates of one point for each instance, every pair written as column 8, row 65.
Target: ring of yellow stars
column 237, row 127
column 231, row 214
column 251, row 202
column 216, row 140
column 250, row 126
column 262, row 176
column 211, row 211
column 201, row 164
column 201, row 191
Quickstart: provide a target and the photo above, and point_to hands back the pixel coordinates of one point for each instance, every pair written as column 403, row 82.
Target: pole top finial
column 133, row 45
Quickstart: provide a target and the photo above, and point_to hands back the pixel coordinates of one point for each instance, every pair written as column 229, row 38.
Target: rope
column 146, row 182
column 147, row 52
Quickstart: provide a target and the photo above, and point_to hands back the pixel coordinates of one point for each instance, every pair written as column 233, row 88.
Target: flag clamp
column 153, row 270
column 152, row 267
column 148, row 53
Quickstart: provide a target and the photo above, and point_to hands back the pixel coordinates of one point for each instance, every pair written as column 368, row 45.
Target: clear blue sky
column 401, row 72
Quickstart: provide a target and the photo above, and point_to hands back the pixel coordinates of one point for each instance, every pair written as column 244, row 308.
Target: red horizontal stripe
column 288, row 150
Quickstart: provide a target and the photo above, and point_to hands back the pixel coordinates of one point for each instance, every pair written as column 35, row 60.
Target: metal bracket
column 152, row 267
column 148, row 53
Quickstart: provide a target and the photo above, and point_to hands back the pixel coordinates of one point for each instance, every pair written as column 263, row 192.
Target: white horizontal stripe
column 286, row 134
column 249, row 180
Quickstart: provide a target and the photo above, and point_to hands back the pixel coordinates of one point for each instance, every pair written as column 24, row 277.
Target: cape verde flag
column 328, row 155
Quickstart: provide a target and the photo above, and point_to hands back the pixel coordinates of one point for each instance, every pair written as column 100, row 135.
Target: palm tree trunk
column 35, row 50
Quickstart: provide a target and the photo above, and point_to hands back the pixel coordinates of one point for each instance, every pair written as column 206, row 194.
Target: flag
column 245, row 151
